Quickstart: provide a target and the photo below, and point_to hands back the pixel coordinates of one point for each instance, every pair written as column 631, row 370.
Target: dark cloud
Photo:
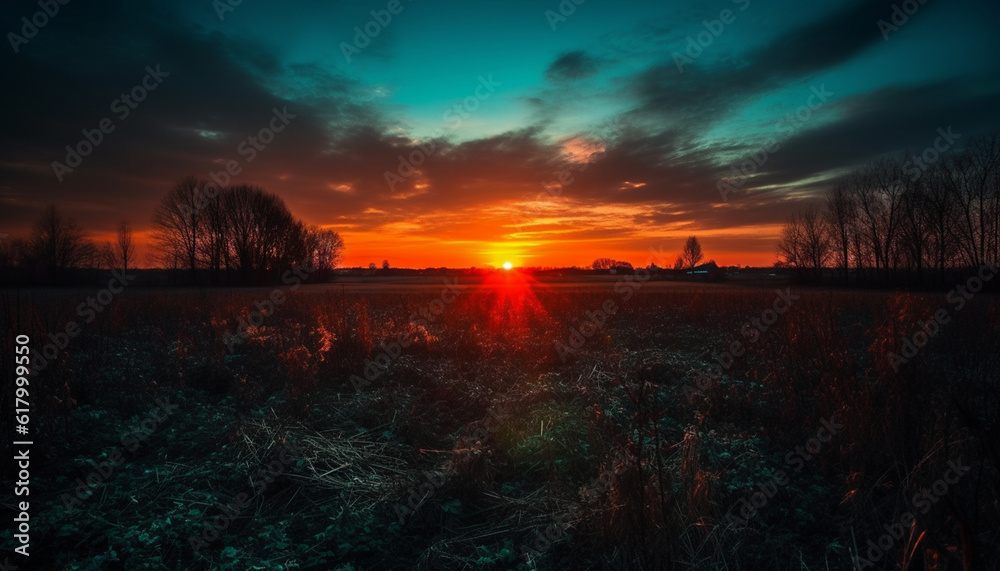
column 828, row 41
column 572, row 66
column 891, row 120
column 217, row 92
column 703, row 91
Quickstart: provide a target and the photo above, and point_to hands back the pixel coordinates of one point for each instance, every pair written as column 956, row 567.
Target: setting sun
column 507, row 265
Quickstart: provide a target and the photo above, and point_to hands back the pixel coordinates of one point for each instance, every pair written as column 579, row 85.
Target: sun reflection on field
column 512, row 301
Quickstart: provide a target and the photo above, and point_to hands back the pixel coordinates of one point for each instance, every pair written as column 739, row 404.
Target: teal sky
column 431, row 54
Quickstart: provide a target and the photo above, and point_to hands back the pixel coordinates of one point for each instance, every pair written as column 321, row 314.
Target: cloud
column 572, row 66
column 889, row 120
column 706, row 90
column 219, row 91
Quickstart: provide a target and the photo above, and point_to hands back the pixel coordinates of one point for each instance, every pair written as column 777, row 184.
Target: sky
column 462, row 134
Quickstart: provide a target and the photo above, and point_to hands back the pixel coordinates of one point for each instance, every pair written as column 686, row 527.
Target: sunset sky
column 601, row 96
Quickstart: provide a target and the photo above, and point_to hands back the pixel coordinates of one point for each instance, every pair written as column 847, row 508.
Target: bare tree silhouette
column 178, row 224
column 242, row 229
column 692, row 254
column 124, row 248
column 57, row 244
column 806, row 242
column 893, row 216
column 603, row 264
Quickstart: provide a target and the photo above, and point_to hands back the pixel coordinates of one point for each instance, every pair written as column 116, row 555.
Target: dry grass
column 563, row 425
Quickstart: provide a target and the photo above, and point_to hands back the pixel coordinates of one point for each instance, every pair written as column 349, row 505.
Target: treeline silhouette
column 908, row 220
column 57, row 251
column 237, row 235
column 202, row 235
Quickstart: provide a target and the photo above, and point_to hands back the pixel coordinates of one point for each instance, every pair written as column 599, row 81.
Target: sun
column 507, row 265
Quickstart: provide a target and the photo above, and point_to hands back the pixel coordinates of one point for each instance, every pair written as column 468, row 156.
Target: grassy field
column 508, row 424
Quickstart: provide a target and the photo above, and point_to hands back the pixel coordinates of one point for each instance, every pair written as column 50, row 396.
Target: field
column 447, row 424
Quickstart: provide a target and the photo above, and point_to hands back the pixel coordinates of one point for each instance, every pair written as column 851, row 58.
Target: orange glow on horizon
column 552, row 236
column 364, row 248
column 533, row 230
